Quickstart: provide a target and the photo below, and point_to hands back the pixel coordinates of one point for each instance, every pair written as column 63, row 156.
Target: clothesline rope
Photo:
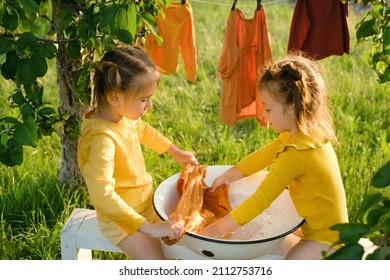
column 229, row 4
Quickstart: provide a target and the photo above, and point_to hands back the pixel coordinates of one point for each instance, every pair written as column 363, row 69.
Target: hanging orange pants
column 177, row 30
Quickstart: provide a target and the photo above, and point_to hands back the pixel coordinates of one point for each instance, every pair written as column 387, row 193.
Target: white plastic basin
column 285, row 221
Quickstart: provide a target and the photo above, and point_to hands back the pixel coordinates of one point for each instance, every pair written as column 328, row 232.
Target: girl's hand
column 169, row 228
column 226, row 178
column 181, row 156
column 219, row 228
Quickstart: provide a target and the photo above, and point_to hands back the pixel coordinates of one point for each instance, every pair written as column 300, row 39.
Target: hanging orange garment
column 197, row 206
column 319, row 28
column 245, row 53
column 176, row 28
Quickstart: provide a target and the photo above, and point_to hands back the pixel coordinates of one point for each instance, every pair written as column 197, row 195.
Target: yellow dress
column 310, row 169
column 112, row 164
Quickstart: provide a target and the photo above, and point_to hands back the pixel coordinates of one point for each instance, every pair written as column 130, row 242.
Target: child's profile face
column 280, row 116
column 135, row 107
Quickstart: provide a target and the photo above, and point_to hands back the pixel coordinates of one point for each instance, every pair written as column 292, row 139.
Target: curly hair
column 296, row 80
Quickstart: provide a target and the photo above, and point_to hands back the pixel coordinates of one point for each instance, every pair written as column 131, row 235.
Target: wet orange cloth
column 246, row 51
column 197, row 206
column 176, row 28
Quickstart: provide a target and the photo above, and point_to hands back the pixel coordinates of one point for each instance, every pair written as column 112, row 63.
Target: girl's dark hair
column 296, row 80
column 125, row 69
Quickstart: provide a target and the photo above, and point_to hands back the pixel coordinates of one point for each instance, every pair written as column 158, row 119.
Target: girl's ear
column 291, row 111
column 112, row 98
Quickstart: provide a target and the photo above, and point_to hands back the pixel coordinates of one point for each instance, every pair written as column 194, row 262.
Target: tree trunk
column 69, row 171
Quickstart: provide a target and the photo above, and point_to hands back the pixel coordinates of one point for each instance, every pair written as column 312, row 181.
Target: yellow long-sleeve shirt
column 111, row 161
column 310, row 169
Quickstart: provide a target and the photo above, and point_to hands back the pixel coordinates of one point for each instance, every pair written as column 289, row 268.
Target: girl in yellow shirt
column 110, row 155
column 302, row 158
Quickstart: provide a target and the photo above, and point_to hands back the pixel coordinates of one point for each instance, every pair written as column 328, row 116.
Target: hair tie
column 289, row 73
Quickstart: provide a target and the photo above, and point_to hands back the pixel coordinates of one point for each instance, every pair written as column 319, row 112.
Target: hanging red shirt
column 319, row 28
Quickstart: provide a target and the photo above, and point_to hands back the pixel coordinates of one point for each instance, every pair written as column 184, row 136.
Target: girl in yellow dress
column 302, row 158
column 111, row 159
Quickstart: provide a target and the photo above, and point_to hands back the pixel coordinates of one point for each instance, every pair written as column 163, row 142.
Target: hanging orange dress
column 176, row 28
column 245, row 53
column 197, row 206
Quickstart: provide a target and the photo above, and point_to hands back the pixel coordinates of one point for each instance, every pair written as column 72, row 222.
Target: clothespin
column 258, row 4
column 234, row 5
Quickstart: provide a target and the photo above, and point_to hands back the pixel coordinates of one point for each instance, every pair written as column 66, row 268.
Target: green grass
column 34, row 206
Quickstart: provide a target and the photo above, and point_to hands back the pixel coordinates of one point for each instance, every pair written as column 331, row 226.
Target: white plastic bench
column 81, row 235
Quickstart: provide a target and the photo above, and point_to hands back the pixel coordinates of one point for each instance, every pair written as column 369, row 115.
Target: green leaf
column 29, row 37
column 8, row 69
column 18, row 98
column 132, row 19
column 46, row 112
column 365, row 29
column 40, row 66
column 381, row 178
column 2, row 10
column 27, row 111
column 9, row 120
column 34, row 93
column 29, row 6
column 6, row 45
column 24, row 43
column 375, row 255
column 83, row 30
column 369, row 202
column 385, row 76
column 26, row 132
column 124, row 27
column 12, row 154
column 74, row 49
column 43, row 50
column 65, row 18
column 4, row 139
column 51, row 50
column 29, row 69
column 106, row 16
column 150, row 21
column 350, row 233
column 386, row 226
column 72, row 127
column 348, row 252
column 81, row 78
column 375, row 215
column 386, row 37
column 10, row 19
column 25, row 71
column 159, row 40
column 45, row 129
column 385, row 143
column 107, row 42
